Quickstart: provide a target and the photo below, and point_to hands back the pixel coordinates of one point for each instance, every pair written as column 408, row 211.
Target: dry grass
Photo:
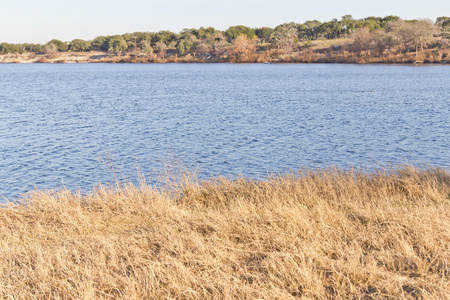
column 322, row 234
column 319, row 51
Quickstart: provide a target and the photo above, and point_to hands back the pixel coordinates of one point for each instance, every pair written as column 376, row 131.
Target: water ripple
column 62, row 124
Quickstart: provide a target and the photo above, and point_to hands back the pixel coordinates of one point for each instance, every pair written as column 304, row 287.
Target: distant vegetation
column 365, row 40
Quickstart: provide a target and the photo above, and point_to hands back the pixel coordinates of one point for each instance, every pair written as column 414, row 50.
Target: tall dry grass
column 320, row 234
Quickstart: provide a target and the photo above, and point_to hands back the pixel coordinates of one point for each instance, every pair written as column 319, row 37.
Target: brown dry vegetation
column 322, row 234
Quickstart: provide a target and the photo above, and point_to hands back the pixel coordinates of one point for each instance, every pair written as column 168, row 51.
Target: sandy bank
column 317, row 56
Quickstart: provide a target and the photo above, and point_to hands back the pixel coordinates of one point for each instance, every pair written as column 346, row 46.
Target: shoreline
column 262, row 58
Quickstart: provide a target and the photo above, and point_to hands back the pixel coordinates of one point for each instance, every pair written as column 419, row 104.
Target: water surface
column 62, row 124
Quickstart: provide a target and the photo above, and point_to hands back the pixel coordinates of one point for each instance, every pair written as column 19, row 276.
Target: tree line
column 374, row 34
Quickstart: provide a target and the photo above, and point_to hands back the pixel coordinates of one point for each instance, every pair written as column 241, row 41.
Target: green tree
column 263, row 33
column 185, row 42
column 78, row 45
column 301, row 32
column 141, row 41
column 444, row 23
column 166, row 37
column 34, row 48
column 312, row 29
column 332, row 29
column 388, row 19
column 6, row 48
column 348, row 25
column 61, row 46
column 206, row 32
column 373, row 23
column 117, row 44
column 287, row 25
column 235, row 31
column 148, row 36
column 189, row 31
column 132, row 41
column 100, row 43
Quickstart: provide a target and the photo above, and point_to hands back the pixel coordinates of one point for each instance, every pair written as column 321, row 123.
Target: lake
column 65, row 124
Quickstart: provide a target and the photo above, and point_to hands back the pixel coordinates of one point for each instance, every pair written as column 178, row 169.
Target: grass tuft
column 322, row 234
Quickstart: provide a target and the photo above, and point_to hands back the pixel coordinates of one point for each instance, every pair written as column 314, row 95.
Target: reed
column 321, row 234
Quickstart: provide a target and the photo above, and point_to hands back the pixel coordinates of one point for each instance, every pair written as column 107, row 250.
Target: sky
column 35, row 21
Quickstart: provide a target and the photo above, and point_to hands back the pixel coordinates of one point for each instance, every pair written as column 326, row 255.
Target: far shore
column 263, row 57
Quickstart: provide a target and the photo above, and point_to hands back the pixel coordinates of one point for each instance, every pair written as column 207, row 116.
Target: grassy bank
column 332, row 51
column 322, row 234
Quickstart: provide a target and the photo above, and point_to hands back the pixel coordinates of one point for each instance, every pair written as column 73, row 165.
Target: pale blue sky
column 39, row 21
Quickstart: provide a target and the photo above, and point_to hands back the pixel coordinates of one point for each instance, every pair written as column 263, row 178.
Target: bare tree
column 363, row 40
column 284, row 38
column 201, row 47
column 242, row 47
column 415, row 34
column 423, row 32
column 394, row 28
column 51, row 49
column 162, row 49
column 145, row 46
column 218, row 43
